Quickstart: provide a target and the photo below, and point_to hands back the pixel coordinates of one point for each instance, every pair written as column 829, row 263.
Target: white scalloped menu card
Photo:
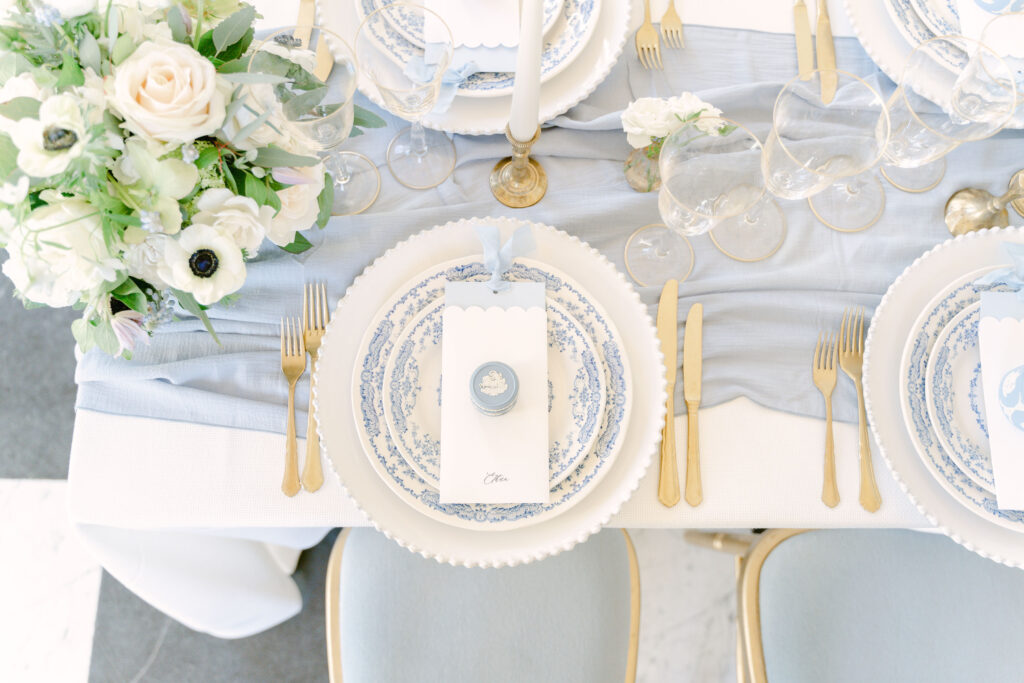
column 1001, row 343
column 494, row 458
column 476, row 23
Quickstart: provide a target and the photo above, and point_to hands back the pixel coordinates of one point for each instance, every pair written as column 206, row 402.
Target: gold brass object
column 315, row 316
column 672, row 26
column 975, row 209
column 668, row 335
column 692, row 368
column 804, row 45
column 293, row 364
column 851, row 360
column 824, row 373
column 648, row 49
column 1017, row 181
column 519, row 181
column 826, row 54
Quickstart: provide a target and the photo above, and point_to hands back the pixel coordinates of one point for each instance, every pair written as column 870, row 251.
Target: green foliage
column 367, row 119
column 325, row 202
column 129, row 293
column 233, row 29
column 92, row 334
column 298, row 245
column 273, row 156
column 20, row 108
column 71, row 72
column 189, row 303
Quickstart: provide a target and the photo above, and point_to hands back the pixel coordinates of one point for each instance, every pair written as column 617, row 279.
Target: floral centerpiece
column 647, row 122
column 136, row 173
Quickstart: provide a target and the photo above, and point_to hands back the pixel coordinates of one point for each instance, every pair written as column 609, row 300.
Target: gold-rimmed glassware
column 405, row 68
column 314, row 107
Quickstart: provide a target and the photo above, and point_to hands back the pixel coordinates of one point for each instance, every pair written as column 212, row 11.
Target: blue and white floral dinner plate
column 368, row 390
column 412, row 393
column 955, row 403
column 924, row 334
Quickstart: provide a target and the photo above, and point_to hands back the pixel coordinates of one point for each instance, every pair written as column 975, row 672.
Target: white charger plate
column 956, row 406
column 432, row 538
column 891, row 326
column 412, row 393
column 489, row 115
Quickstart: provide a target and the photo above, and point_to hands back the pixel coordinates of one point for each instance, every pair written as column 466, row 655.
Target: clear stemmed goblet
column 1002, row 34
column 312, row 106
column 403, row 51
column 824, row 151
column 710, row 182
column 936, row 109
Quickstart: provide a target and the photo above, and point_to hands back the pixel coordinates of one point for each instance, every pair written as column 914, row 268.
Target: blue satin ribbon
column 1013, row 276
column 497, row 256
column 421, row 71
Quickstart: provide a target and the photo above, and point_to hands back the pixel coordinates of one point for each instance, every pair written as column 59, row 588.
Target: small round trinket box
column 494, row 388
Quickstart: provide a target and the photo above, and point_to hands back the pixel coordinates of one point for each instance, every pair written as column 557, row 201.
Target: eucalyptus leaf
column 123, row 49
column 367, row 119
column 113, row 26
column 189, row 303
column 8, row 157
column 243, row 134
column 20, row 108
column 234, row 28
column 249, row 77
column 12, row 64
column 272, row 157
column 176, row 21
column 70, row 72
column 325, row 202
column 89, row 52
column 298, row 245
column 304, row 103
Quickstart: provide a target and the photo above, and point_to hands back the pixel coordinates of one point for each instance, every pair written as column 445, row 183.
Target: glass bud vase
column 641, row 168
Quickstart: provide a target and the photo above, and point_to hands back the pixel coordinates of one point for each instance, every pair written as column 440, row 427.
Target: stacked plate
column 923, row 391
column 889, row 30
column 378, row 396
column 582, row 41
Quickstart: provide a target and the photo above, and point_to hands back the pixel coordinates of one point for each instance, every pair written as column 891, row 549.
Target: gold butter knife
column 668, row 335
column 304, row 30
column 804, row 45
column 692, row 366
column 826, row 54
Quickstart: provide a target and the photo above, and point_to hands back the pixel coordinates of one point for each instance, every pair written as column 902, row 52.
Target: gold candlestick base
column 519, row 181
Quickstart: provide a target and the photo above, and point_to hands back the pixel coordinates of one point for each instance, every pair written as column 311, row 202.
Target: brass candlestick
column 519, row 181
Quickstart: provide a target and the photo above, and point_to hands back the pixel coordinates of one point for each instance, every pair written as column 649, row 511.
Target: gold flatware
column 668, row 335
column 304, row 30
column 804, row 45
column 824, row 373
column 826, row 54
column 315, row 316
column 692, row 367
column 851, row 360
column 647, row 47
column 672, row 27
column 293, row 364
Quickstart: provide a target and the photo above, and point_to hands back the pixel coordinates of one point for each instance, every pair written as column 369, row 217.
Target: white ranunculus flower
column 14, row 193
column 204, row 262
column 48, row 144
column 58, row 252
column 688, row 104
column 648, row 117
column 237, row 217
column 73, row 8
column 145, row 259
column 168, row 92
column 22, row 85
column 299, row 208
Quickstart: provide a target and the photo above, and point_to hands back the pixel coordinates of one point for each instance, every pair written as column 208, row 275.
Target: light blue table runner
column 761, row 319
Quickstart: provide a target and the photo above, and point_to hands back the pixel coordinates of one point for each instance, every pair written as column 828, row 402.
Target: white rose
column 60, row 127
column 299, row 208
column 168, row 92
column 205, row 263
column 648, row 117
column 73, row 8
column 688, row 104
column 22, row 85
column 145, row 259
column 58, row 253
column 234, row 216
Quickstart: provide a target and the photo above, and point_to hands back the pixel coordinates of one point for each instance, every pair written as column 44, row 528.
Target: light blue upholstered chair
column 393, row 616
column 853, row 606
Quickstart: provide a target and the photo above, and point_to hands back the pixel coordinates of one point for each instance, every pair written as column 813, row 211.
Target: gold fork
column 672, row 27
column 825, row 357
column 647, row 47
column 293, row 364
column 851, row 360
column 315, row 316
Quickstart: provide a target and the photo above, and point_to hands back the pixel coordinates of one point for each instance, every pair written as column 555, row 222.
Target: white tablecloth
column 200, row 530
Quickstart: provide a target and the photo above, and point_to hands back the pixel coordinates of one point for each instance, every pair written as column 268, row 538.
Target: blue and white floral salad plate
column 955, row 403
column 572, row 27
column 412, row 393
column 385, row 456
column 934, row 318
column 941, row 16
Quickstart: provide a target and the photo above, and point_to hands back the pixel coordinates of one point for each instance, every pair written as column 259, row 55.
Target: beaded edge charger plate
column 412, row 393
column 956, row 406
column 368, row 391
column 890, row 328
column 443, row 542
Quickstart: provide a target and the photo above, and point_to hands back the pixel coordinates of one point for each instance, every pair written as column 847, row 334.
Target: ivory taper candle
column 525, row 114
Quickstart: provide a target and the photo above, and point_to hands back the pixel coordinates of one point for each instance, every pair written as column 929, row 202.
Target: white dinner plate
column 956, row 406
column 891, row 326
column 412, row 393
column 940, row 16
column 489, row 115
column 640, row 434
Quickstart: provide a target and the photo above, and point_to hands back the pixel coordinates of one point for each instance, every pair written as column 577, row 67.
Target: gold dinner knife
column 826, row 54
column 804, row 46
column 304, row 30
column 668, row 335
column 692, row 365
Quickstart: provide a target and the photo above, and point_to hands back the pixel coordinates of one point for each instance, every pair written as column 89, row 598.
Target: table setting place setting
column 495, row 354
